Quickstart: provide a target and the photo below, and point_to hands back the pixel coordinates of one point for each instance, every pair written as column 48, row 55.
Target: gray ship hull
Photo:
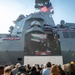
column 11, row 57
column 68, row 56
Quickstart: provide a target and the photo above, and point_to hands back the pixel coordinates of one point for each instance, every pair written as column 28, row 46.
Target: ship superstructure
column 37, row 35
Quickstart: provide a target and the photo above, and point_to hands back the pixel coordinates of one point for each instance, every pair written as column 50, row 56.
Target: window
column 65, row 34
column 72, row 34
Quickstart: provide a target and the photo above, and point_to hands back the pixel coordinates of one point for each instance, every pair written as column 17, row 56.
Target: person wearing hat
column 72, row 62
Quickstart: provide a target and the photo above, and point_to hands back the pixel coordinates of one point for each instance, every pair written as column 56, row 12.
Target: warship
column 36, row 38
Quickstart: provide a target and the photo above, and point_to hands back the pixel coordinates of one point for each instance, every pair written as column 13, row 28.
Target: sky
column 11, row 9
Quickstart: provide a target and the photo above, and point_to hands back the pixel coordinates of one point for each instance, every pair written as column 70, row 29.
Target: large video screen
column 37, row 44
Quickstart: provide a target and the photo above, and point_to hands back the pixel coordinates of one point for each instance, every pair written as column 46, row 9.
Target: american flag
column 47, row 7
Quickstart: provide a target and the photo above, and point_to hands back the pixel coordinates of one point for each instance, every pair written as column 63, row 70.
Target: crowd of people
column 36, row 69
